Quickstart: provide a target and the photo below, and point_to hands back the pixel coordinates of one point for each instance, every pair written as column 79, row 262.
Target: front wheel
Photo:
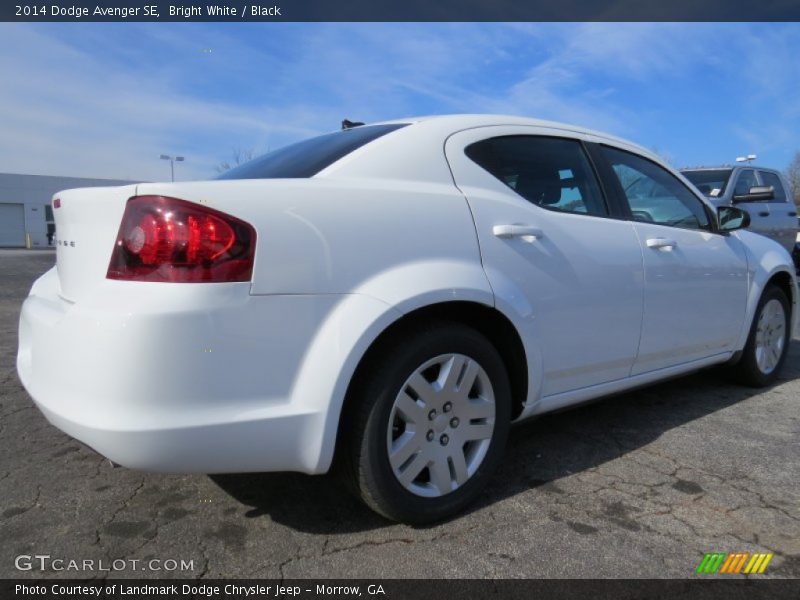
column 431, row 421
column 768, row 342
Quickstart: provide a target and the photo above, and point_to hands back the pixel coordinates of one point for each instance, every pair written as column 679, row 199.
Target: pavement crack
column 206, row 559
column 365, row 543
column 123, row 505
column 400, row 540
column 287, row 562
column 34, row 503
column 764, row 503
column 6, row 415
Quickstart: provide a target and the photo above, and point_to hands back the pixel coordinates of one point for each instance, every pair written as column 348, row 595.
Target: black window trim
column 622, row 199
column 618, row 203
column 592, row 167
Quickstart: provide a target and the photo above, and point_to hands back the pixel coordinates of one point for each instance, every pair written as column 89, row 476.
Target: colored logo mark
column 736, row 562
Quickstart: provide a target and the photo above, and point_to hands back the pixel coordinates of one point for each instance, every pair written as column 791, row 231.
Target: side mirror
column 731, row 218
column 756, row 194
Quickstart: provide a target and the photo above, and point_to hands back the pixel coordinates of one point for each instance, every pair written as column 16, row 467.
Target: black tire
column 366, row 455
column 747, row 371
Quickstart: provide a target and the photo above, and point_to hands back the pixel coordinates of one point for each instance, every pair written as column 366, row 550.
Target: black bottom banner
column 401, row 589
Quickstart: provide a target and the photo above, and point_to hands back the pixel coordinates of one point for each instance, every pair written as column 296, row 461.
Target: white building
column 26, row 216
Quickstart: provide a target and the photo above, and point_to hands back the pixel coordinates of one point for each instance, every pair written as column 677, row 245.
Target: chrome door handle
column 661, row 244
column 512, row 231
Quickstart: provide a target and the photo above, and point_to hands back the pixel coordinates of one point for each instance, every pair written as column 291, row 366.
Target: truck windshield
column 309, row 157
column 708, row 180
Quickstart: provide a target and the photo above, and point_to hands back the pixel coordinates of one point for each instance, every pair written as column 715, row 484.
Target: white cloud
column 94, row 100
column 67, row 112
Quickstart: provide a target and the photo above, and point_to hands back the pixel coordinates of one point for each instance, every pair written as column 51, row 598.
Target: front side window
column 654, row 194
column 772, row 179
column 552, row 173
column 747, row 180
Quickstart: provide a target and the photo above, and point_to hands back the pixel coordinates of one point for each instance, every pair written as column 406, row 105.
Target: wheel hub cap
column 770, row 336
column 450, row 396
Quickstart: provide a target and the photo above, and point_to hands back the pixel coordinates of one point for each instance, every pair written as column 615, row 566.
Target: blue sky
column 105, row 100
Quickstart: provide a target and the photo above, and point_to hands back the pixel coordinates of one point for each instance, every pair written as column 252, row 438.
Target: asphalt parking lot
column 641, row 485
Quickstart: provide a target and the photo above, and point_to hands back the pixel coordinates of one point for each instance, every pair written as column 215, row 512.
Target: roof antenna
column 348, row 124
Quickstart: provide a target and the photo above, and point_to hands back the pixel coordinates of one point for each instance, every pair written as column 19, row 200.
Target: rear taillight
column 166, row 239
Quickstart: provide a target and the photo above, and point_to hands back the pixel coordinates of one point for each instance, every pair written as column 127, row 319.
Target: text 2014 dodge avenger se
column 395, row 295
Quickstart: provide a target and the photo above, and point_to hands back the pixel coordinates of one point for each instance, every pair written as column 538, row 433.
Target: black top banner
column 402, row 10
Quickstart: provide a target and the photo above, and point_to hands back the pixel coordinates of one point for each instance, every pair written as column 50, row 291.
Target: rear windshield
column 709, row 180
column 309, row 157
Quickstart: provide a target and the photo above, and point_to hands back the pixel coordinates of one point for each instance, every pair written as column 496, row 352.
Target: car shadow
column 539, row 452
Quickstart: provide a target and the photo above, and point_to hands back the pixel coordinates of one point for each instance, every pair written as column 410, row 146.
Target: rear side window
column 553, row 173
column 772, row 179
column 309, row 157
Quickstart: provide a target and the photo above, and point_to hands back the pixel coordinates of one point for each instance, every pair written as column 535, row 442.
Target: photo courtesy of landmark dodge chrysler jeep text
column 391, row 297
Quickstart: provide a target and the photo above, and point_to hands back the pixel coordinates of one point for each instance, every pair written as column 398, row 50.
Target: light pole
column 172, row 160
column 746, row 159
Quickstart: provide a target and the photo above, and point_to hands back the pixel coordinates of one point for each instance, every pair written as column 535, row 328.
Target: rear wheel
column 431, row 421
column 768, row 342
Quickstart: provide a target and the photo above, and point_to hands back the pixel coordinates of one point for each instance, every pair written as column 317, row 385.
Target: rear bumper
column 268, row 444
column 189, row 378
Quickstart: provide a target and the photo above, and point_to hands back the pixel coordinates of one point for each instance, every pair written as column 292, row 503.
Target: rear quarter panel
column 351, row 236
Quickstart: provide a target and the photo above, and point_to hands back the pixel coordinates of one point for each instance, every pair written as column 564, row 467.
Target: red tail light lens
column 166, row 239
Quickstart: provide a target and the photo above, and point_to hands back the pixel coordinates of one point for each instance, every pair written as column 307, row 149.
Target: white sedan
column 390, row 297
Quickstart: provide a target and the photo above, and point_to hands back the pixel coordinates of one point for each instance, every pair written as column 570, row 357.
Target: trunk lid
column 87, row 223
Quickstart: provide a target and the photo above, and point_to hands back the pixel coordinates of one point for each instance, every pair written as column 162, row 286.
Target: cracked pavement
column 639, row 485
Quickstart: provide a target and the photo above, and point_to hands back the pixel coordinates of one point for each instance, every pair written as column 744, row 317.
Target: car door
column 782, row 213
column 695, row 280
column 570, row 274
